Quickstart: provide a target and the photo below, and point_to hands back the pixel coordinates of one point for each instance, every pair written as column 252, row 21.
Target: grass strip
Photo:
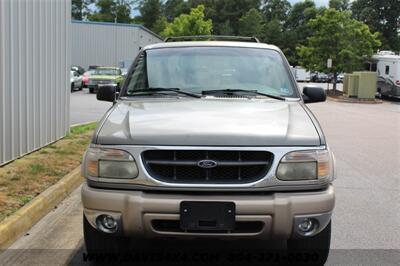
column 28, row 176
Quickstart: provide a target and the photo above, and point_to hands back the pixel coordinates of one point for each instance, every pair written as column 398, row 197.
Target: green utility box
column 366, row 84
column 350, row 85
column 345, row 84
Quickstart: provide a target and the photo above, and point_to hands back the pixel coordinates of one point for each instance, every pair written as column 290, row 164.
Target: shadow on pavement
column 391, row 100
column 190, row 252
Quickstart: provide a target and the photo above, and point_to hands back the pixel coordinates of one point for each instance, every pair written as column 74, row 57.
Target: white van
column 387, row 65
column 301, row 74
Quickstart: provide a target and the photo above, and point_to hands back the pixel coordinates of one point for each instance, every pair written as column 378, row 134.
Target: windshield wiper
column 157, row 90
column 234, row 91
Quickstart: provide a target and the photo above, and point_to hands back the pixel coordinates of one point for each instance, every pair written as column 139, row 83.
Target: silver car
column 75, row 81
column 209, row 139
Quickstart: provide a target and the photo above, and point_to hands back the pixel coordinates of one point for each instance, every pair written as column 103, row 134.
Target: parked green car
column 105, row 75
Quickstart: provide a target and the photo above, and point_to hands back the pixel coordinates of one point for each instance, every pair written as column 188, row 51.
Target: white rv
column 301, row 74
column 387, row 65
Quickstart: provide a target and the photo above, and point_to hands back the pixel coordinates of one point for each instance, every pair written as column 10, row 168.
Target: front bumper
column 91, row 86
column 154, row 214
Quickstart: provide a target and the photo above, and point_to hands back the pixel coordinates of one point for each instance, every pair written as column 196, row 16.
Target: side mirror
column 106, row 92
column 313, row 94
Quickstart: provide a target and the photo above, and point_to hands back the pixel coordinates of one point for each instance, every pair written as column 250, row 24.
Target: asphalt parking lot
column 85, row 107
column 366, row 141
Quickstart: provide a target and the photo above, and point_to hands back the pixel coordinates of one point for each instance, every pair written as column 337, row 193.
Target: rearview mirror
column 106, row 92
column 313, row 94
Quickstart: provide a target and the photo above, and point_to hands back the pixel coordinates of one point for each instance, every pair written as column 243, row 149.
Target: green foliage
column 276, row 9
column 339, row 37
column 16, row 177
column 382, row 16
column 25, row 199
column 224, row 28
column 225, row 14
column 77, row 130
column 123, row 11
column 300, row 14
column 191, row 24
column 174, row 8
column 79, row 9
column 159, row 25
column 105, row 11
column 272, row 21
column 273, row 33
column 341, row 5
column 151, row 11
column 36, row 168
column 296, row 28
column 251, row 24
column 112, row 11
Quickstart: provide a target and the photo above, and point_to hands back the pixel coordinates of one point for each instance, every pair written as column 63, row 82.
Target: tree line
column 345, row 31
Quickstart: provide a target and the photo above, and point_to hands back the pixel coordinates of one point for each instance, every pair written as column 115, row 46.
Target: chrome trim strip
column 285, row 188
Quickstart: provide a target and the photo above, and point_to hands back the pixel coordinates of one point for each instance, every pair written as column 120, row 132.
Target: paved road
column 85, row 107
column 365, row 139
column 366, row 222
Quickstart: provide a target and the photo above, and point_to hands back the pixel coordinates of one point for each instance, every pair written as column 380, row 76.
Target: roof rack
column 211, row 38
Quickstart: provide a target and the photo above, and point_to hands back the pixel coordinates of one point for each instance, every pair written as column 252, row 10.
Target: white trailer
column 387, row 65
column 301, row 74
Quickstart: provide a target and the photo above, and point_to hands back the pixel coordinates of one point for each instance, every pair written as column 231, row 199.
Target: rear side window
column 387, row 69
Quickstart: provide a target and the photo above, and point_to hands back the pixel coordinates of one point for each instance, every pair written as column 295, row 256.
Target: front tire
column 99, row 243
column 91, row 90
column 315, row 248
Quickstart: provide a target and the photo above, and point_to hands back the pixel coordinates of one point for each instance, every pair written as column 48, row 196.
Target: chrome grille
column 100, row 81
column 184, row 166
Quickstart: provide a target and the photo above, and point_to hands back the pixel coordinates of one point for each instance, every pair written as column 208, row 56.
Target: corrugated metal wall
column 99, row 43
column 34, row 74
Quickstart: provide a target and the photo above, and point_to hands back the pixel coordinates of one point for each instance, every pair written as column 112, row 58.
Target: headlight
column 305, row 165
column 110, row 163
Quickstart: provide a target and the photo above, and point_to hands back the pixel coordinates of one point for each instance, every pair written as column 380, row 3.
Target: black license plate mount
column 207, row 216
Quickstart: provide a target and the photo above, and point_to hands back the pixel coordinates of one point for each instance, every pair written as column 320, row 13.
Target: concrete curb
column 349, row 100
column 83, row 123
column 22, row 220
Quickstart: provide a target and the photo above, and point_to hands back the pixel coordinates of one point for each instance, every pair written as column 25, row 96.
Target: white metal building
column 34, row 74
column 107, row 44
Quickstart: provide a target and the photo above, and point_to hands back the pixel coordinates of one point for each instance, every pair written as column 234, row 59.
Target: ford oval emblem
column 207, row 164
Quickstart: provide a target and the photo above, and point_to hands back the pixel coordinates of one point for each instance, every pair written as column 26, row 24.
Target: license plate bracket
column 207, row 216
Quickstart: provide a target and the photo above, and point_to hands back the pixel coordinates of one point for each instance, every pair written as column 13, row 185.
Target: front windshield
column 198, row 69
column 106, row 71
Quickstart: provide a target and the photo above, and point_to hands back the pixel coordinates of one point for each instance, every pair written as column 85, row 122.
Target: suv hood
column 208, row 122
